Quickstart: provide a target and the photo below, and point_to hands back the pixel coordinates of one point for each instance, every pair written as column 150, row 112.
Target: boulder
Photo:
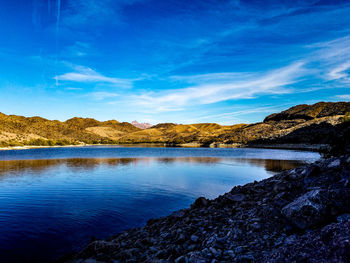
column 200, row 202
column 308, row 210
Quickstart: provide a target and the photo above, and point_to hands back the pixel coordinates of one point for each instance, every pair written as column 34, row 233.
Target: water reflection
column 49, row 207
column 18, row 167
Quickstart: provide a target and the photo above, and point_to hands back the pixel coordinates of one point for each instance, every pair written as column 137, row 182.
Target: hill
column 319, row 123
column 309, row 112
column 18, row 130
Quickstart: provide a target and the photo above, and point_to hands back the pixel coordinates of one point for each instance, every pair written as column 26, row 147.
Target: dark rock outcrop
column 301, row 215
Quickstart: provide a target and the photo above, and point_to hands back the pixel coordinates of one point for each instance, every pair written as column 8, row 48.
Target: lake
column 53, row 200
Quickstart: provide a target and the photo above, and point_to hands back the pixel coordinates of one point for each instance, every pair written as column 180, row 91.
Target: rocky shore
column 301, row 215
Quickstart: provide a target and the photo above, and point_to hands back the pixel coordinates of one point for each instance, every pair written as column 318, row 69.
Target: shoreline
column 257, row 222
column 289, row 146
column 27, row 147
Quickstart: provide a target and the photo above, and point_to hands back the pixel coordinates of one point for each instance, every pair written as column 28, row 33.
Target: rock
column 212, row 250
column 294, row 175
column 256, row 226
column 194, row 238
column 178, row 213
column 91, row 260
column 326, row 244
column 307, row 210
column 343, row 218
column 239, row 249
column 280, row 187
column 311, row 171
column 231, row 253
column 247, row 258
column 181, row 238
column 200, row 202
column 180, row 259
column 291, row 239
column 236, row 197
column 335, row 163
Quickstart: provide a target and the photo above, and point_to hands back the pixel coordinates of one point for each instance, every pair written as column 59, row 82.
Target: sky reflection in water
column 49, row 207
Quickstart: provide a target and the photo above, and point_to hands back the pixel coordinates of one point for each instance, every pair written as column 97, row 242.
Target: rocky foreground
column 301, row 215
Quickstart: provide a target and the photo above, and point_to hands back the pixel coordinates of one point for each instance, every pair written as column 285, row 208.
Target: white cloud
column 86, row 75
column 72, row 88
column 212, row 77
column 332, row 58
column 339, row 72
column 103, row 95
column 78, row 49
column 233, row 115
column 229, row 86
column 343, row 97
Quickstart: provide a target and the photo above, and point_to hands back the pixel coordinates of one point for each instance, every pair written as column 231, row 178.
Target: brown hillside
column 309, row 112
column 73, row 130
column 300, row 124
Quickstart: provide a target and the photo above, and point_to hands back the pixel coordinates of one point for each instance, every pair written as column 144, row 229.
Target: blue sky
column 171, row 61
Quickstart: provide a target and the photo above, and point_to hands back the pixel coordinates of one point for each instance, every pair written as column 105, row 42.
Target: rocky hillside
column 310, row 112
column 320, row 123
column 17, row 130
column 301, row 215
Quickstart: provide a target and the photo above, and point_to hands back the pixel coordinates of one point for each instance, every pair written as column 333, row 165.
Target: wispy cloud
column 86, row 75
column 340, row 72
column 78, row 49
column 328, row 61
column 72, row 88
column 234, row 115
column 240, row 113
column 224, row 77
column 101, row 95
column 93, row 12
column 332, row 58
column 229, row 86
column 343, row 97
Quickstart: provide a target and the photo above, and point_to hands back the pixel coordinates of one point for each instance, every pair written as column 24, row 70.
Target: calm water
column 53, row 200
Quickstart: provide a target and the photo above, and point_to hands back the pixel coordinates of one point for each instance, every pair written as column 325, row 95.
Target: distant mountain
column 143, row 125
column 319, row 123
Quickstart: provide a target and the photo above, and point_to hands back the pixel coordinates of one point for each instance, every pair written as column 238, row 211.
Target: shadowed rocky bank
column 301, row 215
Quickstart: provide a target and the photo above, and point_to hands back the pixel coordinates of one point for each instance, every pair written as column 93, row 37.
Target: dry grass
column 17, row 130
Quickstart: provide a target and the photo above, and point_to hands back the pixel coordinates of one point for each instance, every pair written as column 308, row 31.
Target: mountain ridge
column 316, row 123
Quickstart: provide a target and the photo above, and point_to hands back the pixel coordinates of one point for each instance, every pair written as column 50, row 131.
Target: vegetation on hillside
column 347, row 117
column 300, row 124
